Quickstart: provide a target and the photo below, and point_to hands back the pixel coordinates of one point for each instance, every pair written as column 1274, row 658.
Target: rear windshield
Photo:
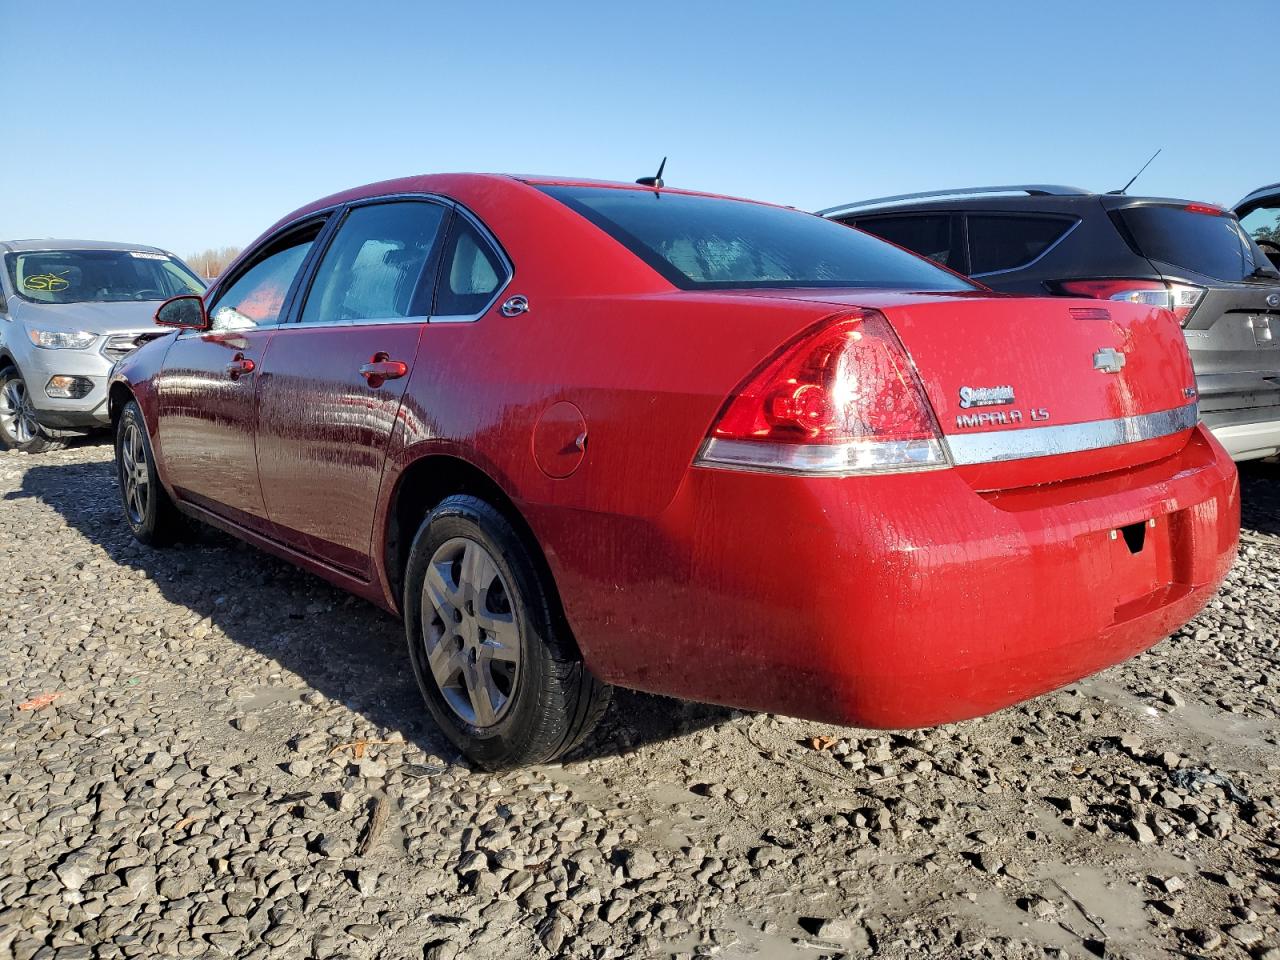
column 98, row 276
column 1212, row 244
column 700, row 243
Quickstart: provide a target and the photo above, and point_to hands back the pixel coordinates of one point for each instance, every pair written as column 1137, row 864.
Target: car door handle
column 238, row 367
column 382, row 368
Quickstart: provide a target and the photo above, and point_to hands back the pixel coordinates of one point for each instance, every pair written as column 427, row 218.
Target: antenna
column 1122, row 190
column 654, row 181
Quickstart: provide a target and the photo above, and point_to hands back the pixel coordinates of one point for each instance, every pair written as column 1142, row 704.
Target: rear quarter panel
column 648, row 373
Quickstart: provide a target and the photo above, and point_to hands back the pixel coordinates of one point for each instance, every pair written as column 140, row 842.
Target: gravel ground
column 208, row 753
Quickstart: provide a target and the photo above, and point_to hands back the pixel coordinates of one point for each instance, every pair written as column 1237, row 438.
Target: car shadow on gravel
column 340, row 646
column 1260, row 497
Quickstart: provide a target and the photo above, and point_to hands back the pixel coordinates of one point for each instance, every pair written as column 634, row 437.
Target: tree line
column 210, row 263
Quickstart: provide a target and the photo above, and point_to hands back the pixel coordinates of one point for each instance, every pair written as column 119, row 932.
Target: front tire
column 19, row 429
column 151, row 515
column 494, row 660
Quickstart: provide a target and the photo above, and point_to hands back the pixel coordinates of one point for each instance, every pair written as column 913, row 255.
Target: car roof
column 454, row 185
column 24, row 246
column 548, row 181
column 1032, row 196
column 444, row 182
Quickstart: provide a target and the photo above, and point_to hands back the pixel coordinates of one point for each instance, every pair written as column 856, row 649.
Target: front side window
column 998, row 242
column 699, row 242
column 98, row 276
column 470, row 272
column 926, row 234
column 375, row 266
column 256, row 297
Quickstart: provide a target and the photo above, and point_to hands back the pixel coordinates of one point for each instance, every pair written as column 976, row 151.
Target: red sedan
column 581, row 434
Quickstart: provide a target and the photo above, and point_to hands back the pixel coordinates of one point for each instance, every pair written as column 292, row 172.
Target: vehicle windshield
column 98, row 276
column 700, row 243
column 1210, row 243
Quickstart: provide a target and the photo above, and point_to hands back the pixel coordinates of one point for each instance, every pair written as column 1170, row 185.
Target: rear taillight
column 1181, row 298
column 842, row 399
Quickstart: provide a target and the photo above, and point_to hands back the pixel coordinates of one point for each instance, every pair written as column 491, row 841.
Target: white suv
column 69, row 309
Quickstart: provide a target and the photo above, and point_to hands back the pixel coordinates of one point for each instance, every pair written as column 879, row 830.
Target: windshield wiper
column 1270, row 273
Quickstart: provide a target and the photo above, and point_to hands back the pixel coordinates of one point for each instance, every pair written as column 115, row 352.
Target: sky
column 191, row 125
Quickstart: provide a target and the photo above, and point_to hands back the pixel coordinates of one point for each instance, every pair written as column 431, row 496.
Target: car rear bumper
column 1243, row 411
column 1247, row 440
column 894, row 601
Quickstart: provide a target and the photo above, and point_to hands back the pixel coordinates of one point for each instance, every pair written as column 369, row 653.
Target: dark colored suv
column 1191, row 257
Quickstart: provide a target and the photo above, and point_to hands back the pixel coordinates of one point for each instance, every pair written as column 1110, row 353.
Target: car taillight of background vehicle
column 843, row 399
column 1181, row 298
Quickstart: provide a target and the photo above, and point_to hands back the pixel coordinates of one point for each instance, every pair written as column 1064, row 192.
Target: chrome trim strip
column 823, row 459
column 1027, row 442
column 362, row 322
column 905, row 456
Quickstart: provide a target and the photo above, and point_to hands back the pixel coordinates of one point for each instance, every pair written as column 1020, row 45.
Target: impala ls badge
column 985, row 396
column 1108, row 360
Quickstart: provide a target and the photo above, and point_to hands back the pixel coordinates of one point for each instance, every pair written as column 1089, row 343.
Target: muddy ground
column 208, row 753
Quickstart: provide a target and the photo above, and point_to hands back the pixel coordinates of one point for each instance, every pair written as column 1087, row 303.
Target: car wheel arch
column 424, row 483
column 118, row 396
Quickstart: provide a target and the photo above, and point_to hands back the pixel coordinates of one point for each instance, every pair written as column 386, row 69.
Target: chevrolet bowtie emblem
column 1108, row 360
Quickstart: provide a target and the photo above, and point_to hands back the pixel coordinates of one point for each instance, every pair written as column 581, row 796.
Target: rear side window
column 1210, row 243
column 928, row 235
column 470, row 272
column 699, row 243
column 375, row 264
column 1006, row 243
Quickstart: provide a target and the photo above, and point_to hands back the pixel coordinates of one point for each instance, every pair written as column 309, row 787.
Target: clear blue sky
column 194, row 125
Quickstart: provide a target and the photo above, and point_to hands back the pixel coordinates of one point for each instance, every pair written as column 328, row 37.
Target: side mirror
column 185, row 311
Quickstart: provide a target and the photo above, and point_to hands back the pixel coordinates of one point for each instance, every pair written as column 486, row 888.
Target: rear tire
column 494, row 660
column 151, row 515
column 18, row 427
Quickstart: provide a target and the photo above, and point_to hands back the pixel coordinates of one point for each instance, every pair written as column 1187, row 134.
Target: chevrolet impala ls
column 579, row 434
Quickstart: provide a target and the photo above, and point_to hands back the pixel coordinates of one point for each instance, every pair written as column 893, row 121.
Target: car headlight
column 61, row 339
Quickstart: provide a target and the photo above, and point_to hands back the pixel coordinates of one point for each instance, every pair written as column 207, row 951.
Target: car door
column 329, row 390
column 206, row 389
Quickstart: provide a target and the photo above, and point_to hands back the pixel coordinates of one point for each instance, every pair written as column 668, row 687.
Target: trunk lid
column 1036, row 390
column 1068, row 415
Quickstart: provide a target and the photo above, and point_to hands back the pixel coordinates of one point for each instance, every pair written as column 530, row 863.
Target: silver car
column 69, row 309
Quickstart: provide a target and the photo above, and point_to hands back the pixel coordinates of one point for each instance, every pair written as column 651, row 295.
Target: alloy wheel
column 16, row 414
column 134, row 478
column 471, row 638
